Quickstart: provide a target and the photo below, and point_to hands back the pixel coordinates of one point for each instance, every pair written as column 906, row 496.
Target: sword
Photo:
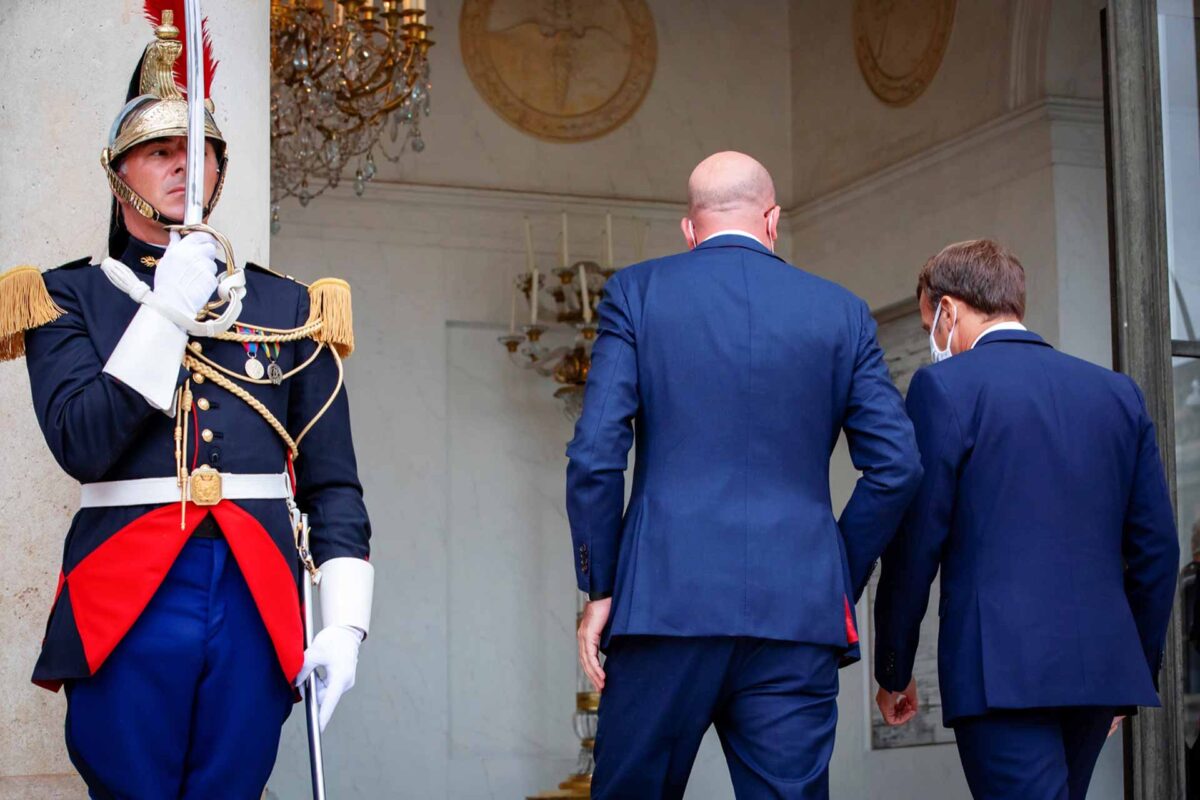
column 315, row 756
column 193, row 190
column 193, row 212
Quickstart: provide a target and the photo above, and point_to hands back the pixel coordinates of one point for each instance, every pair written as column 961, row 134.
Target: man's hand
column 1116, row 724
column 334, row 649
column 898, row 707
column 186, row 275
column 595, row 617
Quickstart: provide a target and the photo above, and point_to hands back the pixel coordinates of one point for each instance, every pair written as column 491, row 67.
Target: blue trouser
column 1033, row 754
column 774, row 705
column 190, row 703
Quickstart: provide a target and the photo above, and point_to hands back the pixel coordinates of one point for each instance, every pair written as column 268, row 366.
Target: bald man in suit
column 724, row 593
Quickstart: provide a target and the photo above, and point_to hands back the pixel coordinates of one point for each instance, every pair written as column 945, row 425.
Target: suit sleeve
column 1150, row 546
column 883, row 449
column 911, row 561
column 599, row 451
column 88, row 417
column 327, row 485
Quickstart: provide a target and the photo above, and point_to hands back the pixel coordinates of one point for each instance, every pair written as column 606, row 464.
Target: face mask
column 936, row 353
column 695, row 241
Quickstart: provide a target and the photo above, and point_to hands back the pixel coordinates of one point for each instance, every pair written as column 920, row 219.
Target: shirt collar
column 999, row 326
column 734, row 232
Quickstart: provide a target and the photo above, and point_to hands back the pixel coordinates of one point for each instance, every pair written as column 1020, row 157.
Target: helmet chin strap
column 123, row 191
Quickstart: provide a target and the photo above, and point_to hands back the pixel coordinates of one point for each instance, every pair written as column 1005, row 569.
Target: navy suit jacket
column 737, row 371
column 1045, row 505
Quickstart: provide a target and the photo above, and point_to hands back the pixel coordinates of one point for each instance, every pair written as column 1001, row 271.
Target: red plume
column 154, row 9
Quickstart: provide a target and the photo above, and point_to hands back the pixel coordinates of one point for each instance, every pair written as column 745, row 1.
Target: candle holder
column 575, row 295
column 511, row 342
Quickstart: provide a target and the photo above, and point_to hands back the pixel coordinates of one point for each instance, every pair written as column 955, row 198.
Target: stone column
column 66, row 68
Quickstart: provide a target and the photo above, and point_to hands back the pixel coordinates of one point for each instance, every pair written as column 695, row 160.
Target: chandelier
column 561, row 305
column 348, row 80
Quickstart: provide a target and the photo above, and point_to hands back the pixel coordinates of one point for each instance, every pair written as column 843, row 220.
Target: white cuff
column 148, row 357
column 345, row 592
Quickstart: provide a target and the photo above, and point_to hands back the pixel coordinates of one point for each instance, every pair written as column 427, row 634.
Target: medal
column 274, row 373
column 255, row 368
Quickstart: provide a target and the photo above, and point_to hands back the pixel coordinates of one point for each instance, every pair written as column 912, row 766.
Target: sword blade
column 316, row 758
column 194, row 188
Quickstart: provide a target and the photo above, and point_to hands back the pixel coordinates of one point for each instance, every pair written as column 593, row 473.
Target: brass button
column 206, row 435
column 203, row 403
column 197, row 377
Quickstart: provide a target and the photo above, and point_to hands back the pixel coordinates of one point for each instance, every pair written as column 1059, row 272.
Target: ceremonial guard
column 202, row 408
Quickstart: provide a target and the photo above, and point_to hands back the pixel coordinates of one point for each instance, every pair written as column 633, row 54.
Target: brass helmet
column 156, row 108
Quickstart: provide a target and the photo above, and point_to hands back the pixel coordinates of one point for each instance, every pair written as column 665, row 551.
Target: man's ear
column 689, row 232
column 773, row 223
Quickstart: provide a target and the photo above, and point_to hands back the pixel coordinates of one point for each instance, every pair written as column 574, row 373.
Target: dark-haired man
column 1045, row 505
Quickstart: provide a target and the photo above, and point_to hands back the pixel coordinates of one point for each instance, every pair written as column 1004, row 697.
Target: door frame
column 1142, row 346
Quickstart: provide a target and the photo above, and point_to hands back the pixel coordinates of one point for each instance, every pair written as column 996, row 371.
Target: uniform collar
column 141, row 255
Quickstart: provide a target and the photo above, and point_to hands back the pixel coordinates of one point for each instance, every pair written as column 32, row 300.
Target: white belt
column 158, row 491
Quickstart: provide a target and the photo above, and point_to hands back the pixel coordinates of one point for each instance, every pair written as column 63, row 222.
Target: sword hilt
column 231, row 268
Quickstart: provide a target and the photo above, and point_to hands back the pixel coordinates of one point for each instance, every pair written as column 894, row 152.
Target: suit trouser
column 1032, row 754
column 190, row 703
column 774, row 705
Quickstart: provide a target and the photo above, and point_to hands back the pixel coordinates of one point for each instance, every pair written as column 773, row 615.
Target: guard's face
column 157, row 170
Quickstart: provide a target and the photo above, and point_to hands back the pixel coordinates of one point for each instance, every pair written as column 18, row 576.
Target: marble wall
column 721, row 80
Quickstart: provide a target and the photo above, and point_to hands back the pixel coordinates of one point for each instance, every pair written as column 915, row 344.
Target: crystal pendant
column 418, row 144
column 276, row 225
column 369, row 168
column 360, row 185
column 300, row 60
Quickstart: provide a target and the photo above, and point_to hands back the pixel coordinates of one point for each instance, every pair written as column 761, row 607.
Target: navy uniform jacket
column 1045, row 505
column 737, row 371
column 100, row 430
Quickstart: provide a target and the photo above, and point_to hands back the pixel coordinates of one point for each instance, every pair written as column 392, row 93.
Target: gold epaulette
column 25, row 303
column 329, row 302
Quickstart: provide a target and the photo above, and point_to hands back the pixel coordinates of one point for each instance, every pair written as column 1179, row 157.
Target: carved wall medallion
column 900, row 44
column 562, row 70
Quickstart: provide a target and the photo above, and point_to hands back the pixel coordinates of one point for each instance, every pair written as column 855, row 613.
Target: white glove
column 335, row 650
column 186, row 275
column 345, row 592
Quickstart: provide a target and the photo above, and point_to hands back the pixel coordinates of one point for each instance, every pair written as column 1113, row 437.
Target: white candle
column 533, row 296
column 566, row 260
column 608, row 240
column 587, row 304
column 528, row 244
column 512, row 317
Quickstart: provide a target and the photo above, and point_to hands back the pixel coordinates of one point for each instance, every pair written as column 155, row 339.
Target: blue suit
column 1045, row 505
column 737, row 372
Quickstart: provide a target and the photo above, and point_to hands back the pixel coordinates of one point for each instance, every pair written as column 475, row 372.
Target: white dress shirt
column 735, row 232
column 999, row 326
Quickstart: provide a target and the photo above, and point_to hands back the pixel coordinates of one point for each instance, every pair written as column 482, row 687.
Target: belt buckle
column 205, row 486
